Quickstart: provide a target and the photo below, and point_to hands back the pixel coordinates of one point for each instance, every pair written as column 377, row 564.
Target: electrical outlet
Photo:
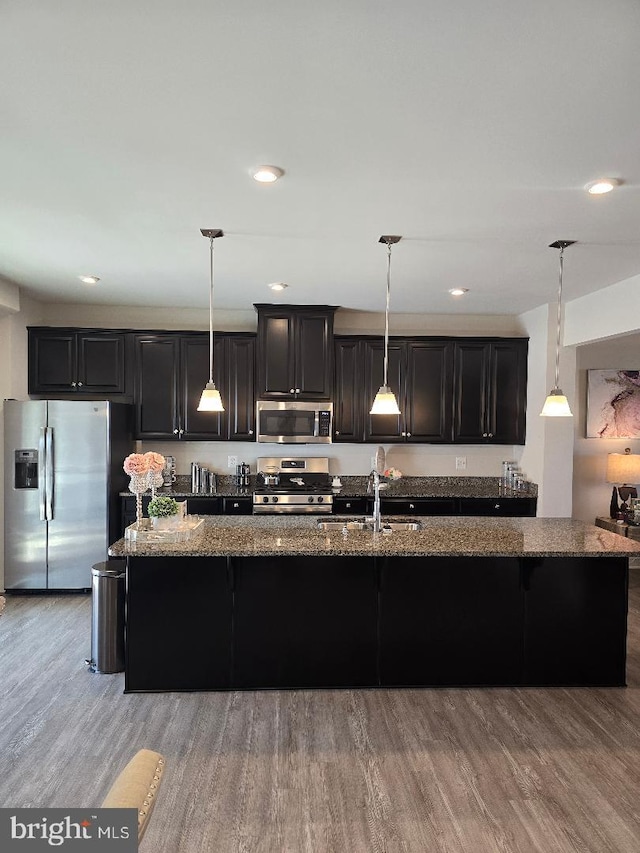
column 232, row 461
column 461, row 463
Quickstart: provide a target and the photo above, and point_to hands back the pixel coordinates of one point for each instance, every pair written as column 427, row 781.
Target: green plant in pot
column 164, row 512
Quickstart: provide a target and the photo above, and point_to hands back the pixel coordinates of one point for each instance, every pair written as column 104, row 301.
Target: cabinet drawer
column 419, row 506
column 356, row 505
column 237, row 506
column 203, row 506
column 498, row 506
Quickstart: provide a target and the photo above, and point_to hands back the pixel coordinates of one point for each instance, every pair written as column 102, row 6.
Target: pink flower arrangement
column 156, row 461
column 392, row 474
column 136, row 464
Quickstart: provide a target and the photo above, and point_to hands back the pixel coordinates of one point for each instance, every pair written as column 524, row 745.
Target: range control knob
column 265, row 499
column 310, row 499
column 275, row 499
column 320, row 499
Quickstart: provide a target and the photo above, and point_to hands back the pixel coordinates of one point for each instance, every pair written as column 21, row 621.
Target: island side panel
column 305, row 622
column 179, row 624
column 575, row 620
column 450, row 621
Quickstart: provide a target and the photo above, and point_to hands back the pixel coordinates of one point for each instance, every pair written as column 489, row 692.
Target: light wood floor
column 375, row 771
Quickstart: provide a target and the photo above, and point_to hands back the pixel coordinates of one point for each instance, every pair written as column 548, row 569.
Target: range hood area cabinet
column 72, row 362
column 490, row 391
column 295, row 352
column 420, row 374
column 171, row 371
column 450, row 391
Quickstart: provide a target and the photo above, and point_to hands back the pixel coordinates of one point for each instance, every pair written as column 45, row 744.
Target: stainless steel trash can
column 107, row 616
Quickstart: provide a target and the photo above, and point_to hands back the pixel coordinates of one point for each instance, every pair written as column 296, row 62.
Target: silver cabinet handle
column 403, row 433
column 408, row 435
column 292, row 390
column 497, row 506
column 180, row 432
column 484, row 434
column 250, row 432
column 73, row 384
column 490, row 435
column 297, row 390
column 348, row 505
column 79, row 384
column 412, row 506
column 175, row 432
column 236, row 505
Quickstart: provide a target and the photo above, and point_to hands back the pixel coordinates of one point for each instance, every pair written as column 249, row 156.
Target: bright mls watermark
column 26, row 830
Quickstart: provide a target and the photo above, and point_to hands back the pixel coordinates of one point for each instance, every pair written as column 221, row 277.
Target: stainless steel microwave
column 294, row 422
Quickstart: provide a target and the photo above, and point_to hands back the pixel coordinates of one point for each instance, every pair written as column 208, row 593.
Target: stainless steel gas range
column 293, row 485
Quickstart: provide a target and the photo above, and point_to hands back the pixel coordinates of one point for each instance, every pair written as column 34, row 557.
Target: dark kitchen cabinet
column 575, row 620
column 305, row 621
column 172, row 370
column 195, row 653
column 238, row 505
column 499, row 506
column 210, row 505
column 295, row 352
column 418, row 506
column 76, row 361
column 350, row 505
column 420, row 373
column 475, row 639
column 490, row 390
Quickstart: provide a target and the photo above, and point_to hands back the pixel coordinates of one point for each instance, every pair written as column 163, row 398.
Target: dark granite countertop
column 441, row 536
column 406, row 487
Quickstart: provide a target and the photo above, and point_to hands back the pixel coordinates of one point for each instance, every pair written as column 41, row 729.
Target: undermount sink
column 367, row 524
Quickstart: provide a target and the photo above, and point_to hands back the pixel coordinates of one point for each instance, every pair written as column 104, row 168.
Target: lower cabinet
column 209, row 623
column 419, row 506
column 179, row 620
column 499, row 506
column 575, row 621
column 448, row 620
column 204, row 506
column 305, row 622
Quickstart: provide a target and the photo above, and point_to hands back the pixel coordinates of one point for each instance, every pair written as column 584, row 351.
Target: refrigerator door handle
column 42, row 486
column 48, row 475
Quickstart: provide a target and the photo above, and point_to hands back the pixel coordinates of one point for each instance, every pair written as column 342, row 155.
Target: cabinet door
column 241, row 505
column 450, row 621
column 195, row 654
column 314, row 355
column 305, row 622
column 429, row 391
column 348, row 379
column 101, row 363
column 352, row 506
column 508, row 392
column 203, row 506
column 471, row 403
column 157, row 367
column 239, row 388
column 575, row 620
column 379, row 428
column 194, row 375
column 276, row 353
column 52, row 361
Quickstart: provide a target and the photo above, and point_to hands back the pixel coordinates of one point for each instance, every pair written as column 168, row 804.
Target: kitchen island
column 275, row 602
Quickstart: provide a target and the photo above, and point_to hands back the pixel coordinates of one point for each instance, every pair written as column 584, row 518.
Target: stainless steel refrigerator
column 63, row 472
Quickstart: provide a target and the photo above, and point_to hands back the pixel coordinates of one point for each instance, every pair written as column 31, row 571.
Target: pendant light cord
column 386, row 318
column 557, row 382
column 211, row 309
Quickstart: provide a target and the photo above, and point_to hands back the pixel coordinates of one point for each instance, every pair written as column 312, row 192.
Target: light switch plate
column 232, row 461
column 461, row 463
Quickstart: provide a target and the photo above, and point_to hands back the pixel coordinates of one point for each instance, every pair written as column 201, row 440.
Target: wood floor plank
column 353, row 771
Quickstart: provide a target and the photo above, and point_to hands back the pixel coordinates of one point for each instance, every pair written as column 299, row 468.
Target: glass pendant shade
column 385, row 402
column 556, row 405
column 210, row 401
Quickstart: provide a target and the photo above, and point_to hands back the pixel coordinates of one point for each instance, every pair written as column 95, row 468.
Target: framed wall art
column 613, row 404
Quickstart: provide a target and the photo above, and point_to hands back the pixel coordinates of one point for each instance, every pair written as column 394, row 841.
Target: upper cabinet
column 295, row 352
column 490, row 391
column 172, row 370
column 420, row 372
column 76, row 361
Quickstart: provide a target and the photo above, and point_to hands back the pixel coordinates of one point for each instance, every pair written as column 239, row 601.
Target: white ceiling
column 469, row 128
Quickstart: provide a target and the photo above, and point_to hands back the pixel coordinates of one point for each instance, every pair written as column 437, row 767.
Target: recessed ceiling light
column 602, row 185
column 267, row 174
column 278, row 285
column 458, row 291
column 89, row 279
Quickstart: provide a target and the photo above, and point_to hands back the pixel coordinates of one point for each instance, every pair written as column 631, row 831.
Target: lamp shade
column 210, row 401
column 623, row 468
column 556, row 406
column 385, row 402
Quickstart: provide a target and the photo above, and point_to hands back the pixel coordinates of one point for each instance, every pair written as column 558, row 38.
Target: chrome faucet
column 377, row 518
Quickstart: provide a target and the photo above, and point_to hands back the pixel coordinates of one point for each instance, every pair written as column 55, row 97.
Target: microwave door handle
column 316, row 423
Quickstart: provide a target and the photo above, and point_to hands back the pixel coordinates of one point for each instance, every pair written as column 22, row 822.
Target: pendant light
column 385, row 402
column 210, row 401
column 556, row 405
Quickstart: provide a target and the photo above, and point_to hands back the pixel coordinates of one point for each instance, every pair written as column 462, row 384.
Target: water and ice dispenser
column 25, row 475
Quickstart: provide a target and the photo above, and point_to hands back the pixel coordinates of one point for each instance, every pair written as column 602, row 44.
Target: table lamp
column 623, row 469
